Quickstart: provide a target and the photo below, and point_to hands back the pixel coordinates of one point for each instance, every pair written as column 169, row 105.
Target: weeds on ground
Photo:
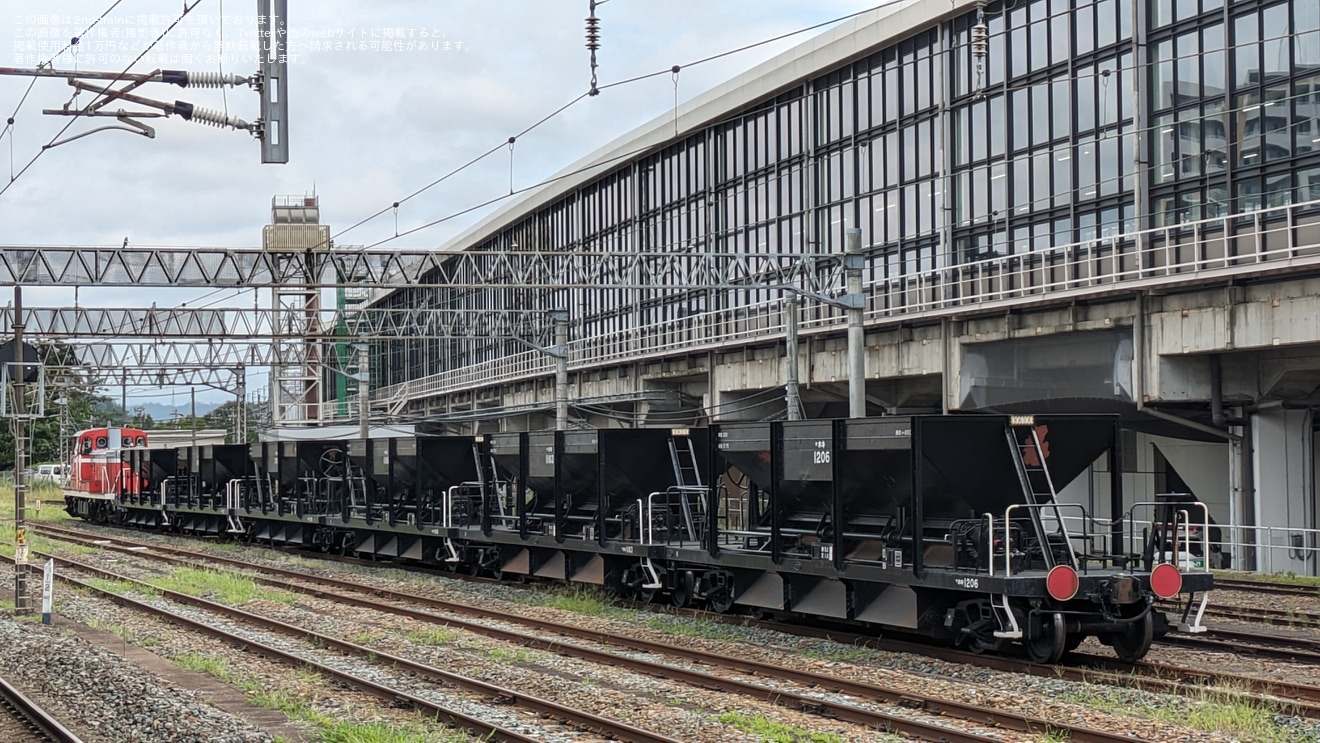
column 841, row 654
column 688, row 627
column 434, row 635
column 585, row 600
column 224, row 587
column 120, row 587
column 1206, row 710
column 500, row 655
column 770, row 731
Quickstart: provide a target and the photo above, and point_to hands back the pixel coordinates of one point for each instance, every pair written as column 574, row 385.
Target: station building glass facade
column 1084, row 119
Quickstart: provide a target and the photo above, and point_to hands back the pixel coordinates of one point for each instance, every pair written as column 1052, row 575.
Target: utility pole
column 272, row 34
column 19, row 376
column 856, row 334
column 792, row 397
column 66, row 431
column 240, row 407
column 560, row 354
column 364, row 393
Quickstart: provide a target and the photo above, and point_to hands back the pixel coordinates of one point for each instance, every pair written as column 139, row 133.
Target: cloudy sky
column 385, row 97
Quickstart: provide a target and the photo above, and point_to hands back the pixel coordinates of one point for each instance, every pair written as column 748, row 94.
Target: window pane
column 1085, row 100
column 997, row 130
column 1061, row 93
column 1277, row 50
column 1084, row 29
column 1161, row 74
column 1247, row 62
column 1021, row 118
column 1086, row 170
column 1104, row 23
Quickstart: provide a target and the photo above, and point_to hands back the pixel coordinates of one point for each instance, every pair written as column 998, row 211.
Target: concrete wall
column 1285, row 496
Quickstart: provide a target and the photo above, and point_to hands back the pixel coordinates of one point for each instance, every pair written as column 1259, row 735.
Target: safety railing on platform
column 1261, row 241
column 1268, row 549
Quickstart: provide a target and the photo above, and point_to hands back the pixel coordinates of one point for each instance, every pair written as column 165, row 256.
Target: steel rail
column 505, row 696
column 1263, row 615
column 1156, row 677
column 1257, row 586
column 925, row 703
column 34, row 716
column 1268, row 646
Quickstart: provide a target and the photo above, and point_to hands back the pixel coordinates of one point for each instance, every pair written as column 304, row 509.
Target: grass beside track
column 303, row 707
column 1204, row 710
column 1288, row 579
column 224, row 587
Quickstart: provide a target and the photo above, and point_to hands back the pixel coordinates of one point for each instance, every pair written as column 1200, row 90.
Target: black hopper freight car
column 944, row 526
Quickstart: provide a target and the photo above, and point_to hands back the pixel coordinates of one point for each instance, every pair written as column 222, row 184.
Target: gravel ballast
column 103, row 697
column 1090, row 705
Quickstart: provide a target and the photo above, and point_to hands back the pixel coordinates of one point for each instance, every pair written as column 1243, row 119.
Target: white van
column 49, row 473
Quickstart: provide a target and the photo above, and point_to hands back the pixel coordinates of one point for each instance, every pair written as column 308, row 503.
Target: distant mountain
column 162, row 413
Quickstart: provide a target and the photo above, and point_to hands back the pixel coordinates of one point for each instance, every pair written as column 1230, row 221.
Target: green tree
column 225, row 417
column 85, row 408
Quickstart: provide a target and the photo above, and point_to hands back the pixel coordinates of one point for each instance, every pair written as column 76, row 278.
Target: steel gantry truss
column 148, row 323
column 676, row 269
column 221, row 378
column 212, row 346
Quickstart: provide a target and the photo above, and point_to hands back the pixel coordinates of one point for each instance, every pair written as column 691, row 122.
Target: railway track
column 21, row 719
column 1264, row 615
column 392, row 695
column 1261, row 615
column 1164, row 678
column 376, row 598
column 1259, row 644
column 1301, row 699
column 1256, row 586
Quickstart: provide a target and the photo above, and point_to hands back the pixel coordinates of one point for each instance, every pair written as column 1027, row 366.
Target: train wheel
column 1133, row 643
column 1050, row 646
column 681, row 595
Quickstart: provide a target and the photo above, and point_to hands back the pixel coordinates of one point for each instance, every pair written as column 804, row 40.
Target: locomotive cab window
column 102, row 442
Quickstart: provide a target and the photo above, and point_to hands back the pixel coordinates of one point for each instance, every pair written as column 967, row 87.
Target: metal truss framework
column 228, row 379
column 213, row 347
column 266, row 323
column 147, row 355
column 673, row 268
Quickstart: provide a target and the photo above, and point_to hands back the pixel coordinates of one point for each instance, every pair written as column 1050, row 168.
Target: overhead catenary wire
column 9, row 123
column 1050, row 149
column 1103, row 129
column 187, row 8
column 554, row 114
